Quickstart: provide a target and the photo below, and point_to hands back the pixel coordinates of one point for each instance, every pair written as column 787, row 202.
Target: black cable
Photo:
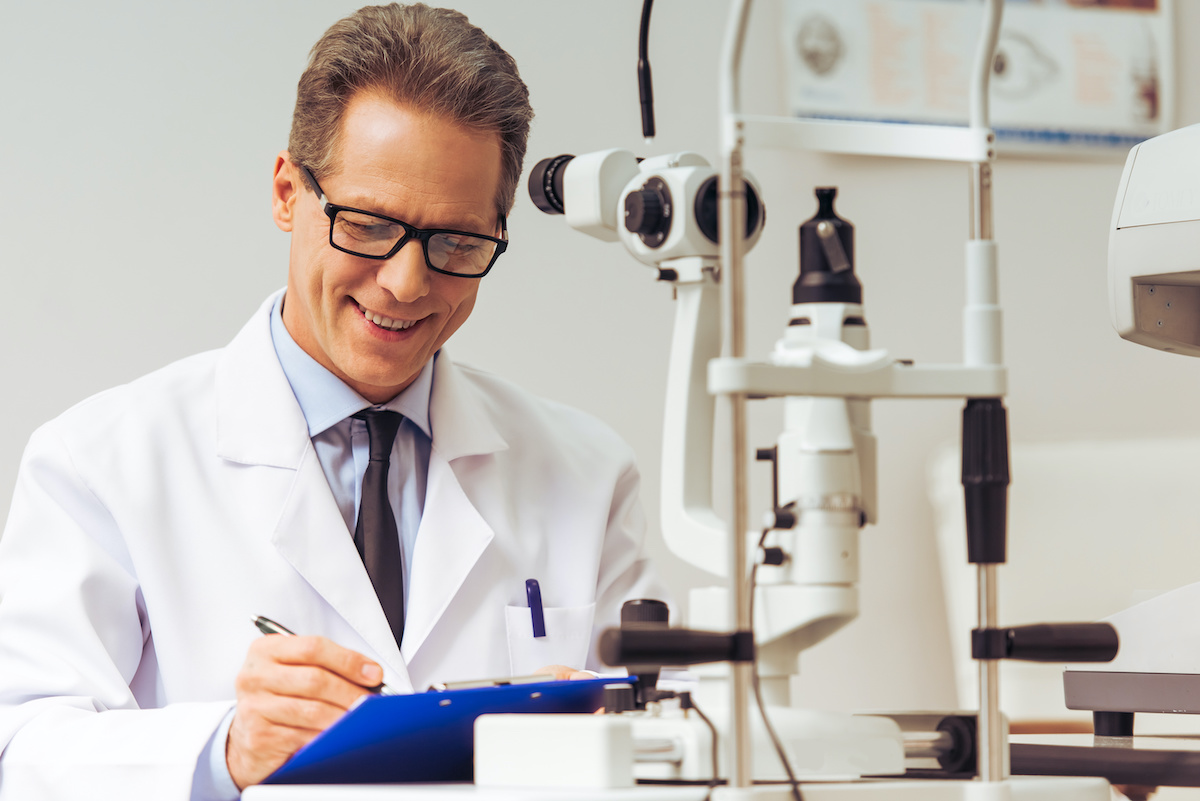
column 645, row 91
column 762, row 707
column 686, row 702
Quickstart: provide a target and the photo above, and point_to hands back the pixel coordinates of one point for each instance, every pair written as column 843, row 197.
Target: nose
column 405, row 275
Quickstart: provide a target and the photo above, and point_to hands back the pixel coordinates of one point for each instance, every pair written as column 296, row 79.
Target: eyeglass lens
column 367, row 235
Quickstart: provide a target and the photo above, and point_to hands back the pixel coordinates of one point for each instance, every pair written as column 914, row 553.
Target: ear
column 285, row 190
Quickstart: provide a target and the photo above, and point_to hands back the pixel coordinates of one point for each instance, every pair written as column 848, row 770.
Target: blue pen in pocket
column 534, row 594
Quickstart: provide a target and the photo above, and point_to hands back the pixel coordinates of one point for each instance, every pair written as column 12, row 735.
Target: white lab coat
column 151, row 522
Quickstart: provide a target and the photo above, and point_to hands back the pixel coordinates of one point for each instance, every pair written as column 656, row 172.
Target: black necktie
column 375, row 534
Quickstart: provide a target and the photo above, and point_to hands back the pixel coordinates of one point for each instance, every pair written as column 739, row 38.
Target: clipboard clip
column 471, row 684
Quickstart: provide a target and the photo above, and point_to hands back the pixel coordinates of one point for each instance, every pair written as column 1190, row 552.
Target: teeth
column 386, row 322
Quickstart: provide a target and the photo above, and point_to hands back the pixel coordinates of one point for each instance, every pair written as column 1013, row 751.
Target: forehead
column 415, row 165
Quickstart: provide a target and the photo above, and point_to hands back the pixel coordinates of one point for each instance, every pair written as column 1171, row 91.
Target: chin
column 378, row 383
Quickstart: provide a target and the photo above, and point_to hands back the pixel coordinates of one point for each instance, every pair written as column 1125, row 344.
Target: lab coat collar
column 258, row 418
column 260, row 422
column 325, row 400
column 460, row 418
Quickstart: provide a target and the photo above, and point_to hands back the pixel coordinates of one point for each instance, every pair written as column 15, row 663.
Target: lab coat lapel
column 453, row 534
column 260, row 423
column 311, row 534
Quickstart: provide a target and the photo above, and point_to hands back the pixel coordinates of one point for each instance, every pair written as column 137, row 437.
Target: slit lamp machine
column 794, row 584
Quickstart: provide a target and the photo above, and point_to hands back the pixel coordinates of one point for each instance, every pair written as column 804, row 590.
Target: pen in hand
column 268, row 626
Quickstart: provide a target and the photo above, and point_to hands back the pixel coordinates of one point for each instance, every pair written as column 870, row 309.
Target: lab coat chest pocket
column 568, row 636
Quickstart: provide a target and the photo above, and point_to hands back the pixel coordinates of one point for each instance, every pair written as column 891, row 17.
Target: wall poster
column 1068, row 74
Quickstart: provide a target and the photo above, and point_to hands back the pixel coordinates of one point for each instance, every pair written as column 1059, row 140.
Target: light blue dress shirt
column 341, row 443
column 342, row 448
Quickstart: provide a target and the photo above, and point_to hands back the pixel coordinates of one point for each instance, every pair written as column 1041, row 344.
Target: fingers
column 307, row 667
column 318, row 651
column 559, row 672
column 1135, row 792
column 305, row 717
column 562, row 672
column 289, row 690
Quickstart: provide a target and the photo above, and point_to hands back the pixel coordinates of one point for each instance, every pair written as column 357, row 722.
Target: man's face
column 349, row 312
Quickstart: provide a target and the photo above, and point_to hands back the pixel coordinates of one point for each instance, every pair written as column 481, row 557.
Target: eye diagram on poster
column 1068, row 75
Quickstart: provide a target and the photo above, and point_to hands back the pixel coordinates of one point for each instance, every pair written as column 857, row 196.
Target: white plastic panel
column 900, row 140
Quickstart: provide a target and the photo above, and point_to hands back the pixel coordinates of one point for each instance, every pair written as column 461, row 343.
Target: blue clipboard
column 424, row 737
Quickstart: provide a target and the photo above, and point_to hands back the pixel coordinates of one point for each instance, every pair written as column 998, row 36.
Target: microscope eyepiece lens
column 546, row 183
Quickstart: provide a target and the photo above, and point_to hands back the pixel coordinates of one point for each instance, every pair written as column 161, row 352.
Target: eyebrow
column 458, row 225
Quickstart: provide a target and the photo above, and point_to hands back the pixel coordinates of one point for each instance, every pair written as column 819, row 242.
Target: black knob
column 643, row 212
column 960, row 756
column 645, row 614
column 644, row 610
column 648, row 212
column 619, row 698
column 819, row 281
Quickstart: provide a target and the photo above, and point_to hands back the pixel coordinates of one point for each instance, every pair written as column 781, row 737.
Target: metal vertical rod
column 990, row 725
column 741, row 673
column 733, row 309
column 984, row 347
column 732, row 217
column 981, row 201
column 982, row 344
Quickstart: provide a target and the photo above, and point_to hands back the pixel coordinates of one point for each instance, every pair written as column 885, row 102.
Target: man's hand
column 289, row 690
column 561, row 672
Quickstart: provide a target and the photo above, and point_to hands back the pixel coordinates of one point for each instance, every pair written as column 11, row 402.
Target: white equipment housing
column 1153, row 258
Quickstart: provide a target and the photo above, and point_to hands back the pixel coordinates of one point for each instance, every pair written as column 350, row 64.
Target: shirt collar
column 325, row 400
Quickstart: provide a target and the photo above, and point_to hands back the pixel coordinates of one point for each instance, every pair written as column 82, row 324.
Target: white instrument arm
column 691, row 528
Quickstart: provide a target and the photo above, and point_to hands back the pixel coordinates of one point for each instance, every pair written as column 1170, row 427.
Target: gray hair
column 431, row 59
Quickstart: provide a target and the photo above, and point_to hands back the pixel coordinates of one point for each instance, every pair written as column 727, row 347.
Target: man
column 331, row 468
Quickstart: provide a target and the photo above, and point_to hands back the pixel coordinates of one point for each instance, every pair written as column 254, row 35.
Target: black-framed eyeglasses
column 374, row 236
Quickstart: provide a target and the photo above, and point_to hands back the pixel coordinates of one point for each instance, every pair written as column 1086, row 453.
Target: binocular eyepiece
column 648, row 210
column 546, row 183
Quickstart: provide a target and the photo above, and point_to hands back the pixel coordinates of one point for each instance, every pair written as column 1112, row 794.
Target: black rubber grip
column 674, row 647
column 1048, row 642
column 1063, row 642
column 985, row 478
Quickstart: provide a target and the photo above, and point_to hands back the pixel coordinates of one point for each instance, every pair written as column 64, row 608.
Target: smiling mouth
column 386, row 323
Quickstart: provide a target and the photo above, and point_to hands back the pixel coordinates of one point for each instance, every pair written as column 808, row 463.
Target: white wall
column 138, row 138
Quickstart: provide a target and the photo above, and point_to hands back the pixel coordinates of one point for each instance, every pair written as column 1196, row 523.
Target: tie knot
column 382, row 426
